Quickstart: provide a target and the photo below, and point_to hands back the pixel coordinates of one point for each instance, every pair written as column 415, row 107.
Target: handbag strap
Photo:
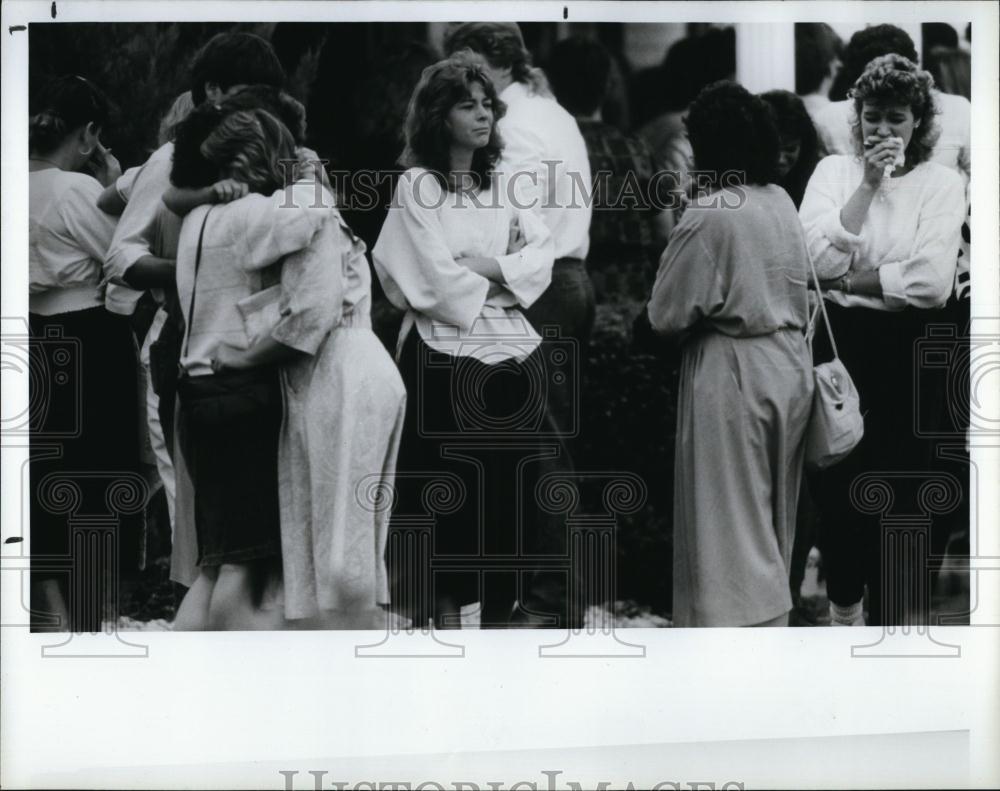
column 822, row 307
column 194, row 285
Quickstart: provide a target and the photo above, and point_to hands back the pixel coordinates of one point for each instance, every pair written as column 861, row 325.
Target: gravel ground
column 149, row 603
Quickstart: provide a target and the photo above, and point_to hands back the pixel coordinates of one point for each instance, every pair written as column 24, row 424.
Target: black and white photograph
column 450, row 366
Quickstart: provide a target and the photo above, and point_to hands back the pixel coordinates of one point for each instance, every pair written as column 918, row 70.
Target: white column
column 765, row 55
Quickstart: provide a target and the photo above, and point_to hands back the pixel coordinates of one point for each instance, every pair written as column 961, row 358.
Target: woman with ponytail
column 732, row 289
column 90, row 419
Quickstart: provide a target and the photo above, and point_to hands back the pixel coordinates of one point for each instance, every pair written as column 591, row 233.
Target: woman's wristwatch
column 844, row 284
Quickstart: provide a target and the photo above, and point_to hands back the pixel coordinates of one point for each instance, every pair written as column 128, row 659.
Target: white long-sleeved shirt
column 426, row 231
column 545, row 159
column 910, row 234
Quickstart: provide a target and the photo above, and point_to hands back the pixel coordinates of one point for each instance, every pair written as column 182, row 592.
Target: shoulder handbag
column 225, row 398
column 165, row 351
column 836, row 425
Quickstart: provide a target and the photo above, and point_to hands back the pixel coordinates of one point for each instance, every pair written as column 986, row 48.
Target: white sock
column 852, row 615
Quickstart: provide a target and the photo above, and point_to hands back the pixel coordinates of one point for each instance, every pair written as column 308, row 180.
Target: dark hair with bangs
column 893, row 79
column 428, row 141
column 794, row 123
column 732, row 131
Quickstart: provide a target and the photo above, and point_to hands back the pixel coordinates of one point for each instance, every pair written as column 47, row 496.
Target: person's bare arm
column 182, row 200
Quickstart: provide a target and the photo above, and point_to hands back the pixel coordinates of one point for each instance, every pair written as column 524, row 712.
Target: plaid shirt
column 620, row 230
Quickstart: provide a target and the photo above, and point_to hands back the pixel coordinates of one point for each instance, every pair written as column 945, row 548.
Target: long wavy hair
column 254, row 147
column 428, row 141
column 893, row 79
column 794, row 123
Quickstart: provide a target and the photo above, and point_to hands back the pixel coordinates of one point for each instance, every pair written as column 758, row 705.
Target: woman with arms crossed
column 451, row 254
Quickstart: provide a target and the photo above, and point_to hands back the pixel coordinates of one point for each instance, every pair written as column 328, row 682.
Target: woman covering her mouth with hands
column 883, row 231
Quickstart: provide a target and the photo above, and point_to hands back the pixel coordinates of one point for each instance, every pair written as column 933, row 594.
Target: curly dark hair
column 733, row 132
column 794, row 123
column 893, row 79
column 66, row 104
column 428, row 142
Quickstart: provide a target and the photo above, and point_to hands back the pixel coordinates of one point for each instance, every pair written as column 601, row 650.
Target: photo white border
column 229, row 709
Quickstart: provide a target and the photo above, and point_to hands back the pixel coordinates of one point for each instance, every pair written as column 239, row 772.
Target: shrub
column 628, row 419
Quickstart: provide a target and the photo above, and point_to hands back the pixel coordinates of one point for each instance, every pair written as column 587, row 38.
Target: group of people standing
column 275, row 412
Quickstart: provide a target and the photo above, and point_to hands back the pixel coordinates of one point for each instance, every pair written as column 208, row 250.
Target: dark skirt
column 234, row 469
column 467, row 467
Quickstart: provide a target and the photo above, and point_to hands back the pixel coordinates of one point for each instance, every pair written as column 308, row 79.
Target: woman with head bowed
column 342, row 396
column 731, row 289
column 797, row 138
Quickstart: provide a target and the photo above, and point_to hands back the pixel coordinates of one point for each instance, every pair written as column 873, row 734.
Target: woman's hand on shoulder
column 228, row 190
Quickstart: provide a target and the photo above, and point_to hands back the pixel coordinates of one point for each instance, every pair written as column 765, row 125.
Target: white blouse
column 910, row 234
column 68, row 238
column 427, row 229
column 241, row 239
